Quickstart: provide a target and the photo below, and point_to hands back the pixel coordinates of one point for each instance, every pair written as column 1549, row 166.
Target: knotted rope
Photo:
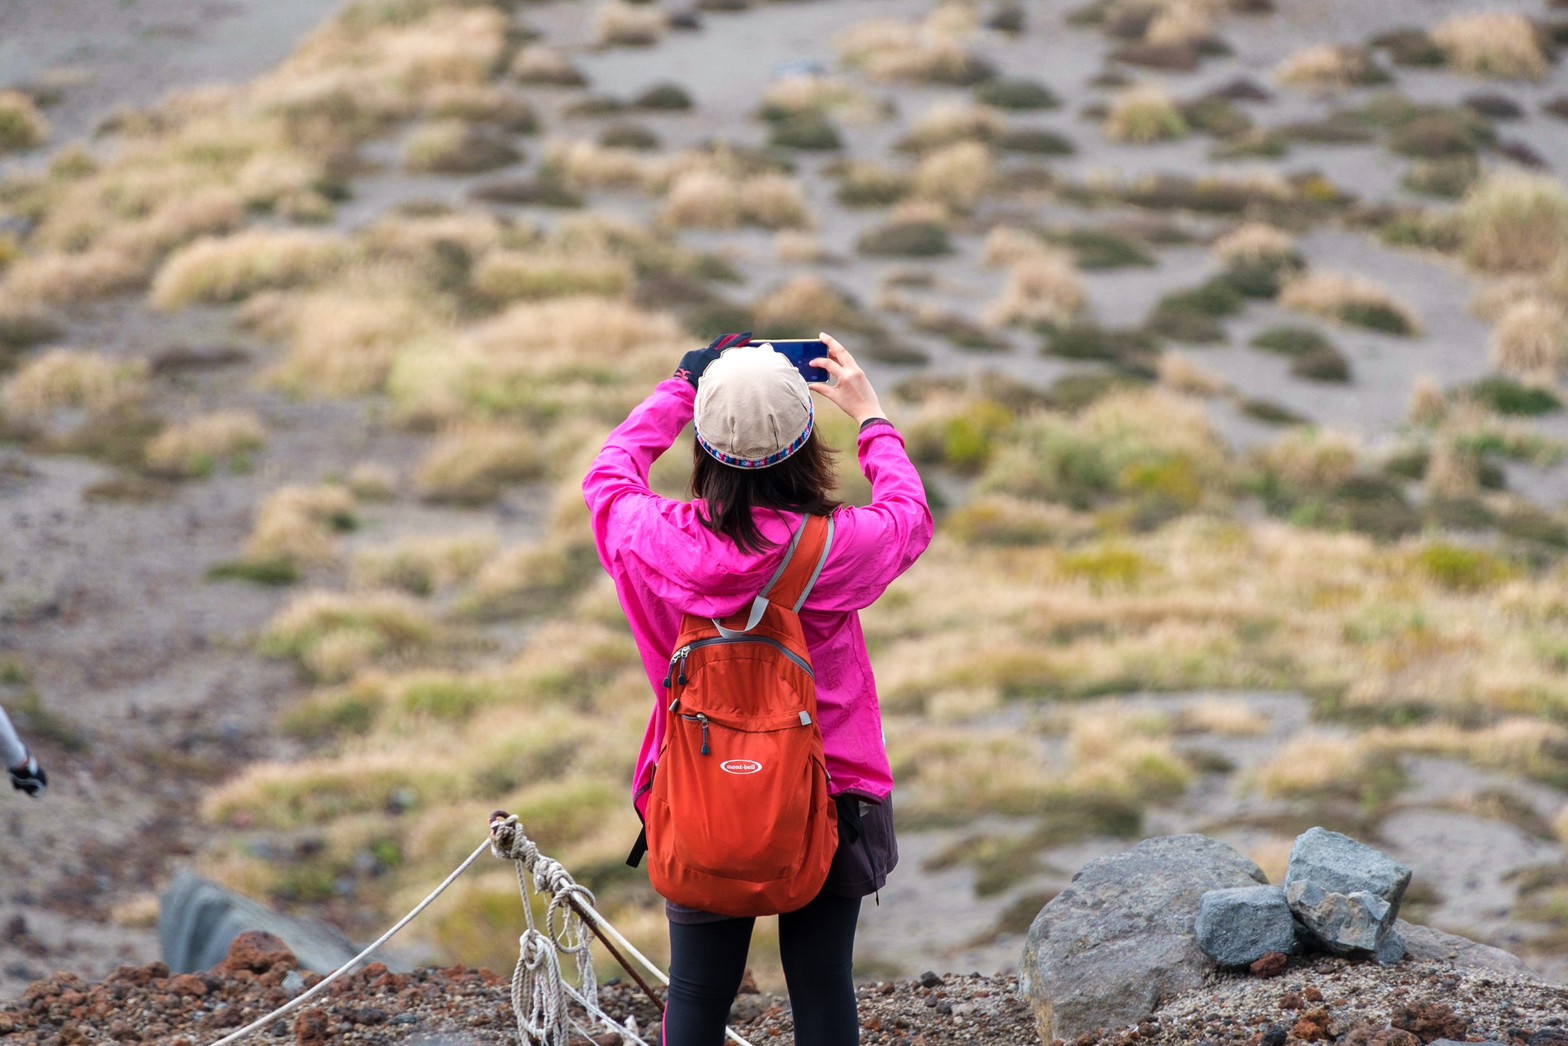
column 538, row 992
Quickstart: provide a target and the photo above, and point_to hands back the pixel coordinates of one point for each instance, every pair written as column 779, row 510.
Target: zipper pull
column 679, row 655
column 704, row 721
column 805, row 719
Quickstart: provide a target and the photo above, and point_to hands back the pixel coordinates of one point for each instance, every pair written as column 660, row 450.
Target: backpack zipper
column 678, row 659
column 700, row 718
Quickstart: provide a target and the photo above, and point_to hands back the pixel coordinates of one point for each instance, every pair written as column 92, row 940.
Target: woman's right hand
column 850, row 389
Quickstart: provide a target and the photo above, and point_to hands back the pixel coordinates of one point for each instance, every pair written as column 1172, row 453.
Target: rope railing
column 540, row 993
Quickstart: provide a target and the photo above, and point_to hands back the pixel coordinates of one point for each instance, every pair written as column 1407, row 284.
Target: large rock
column 1240, row 925
column 1423, row 942
column 1341, row 923
column 1339, row 864
column 198, row 920
column 1119, row 941
column 1391, row 949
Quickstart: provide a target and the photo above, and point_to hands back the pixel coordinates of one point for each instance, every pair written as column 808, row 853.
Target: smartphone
column 801, row 353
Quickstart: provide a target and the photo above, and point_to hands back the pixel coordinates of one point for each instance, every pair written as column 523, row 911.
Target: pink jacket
column 665, row 563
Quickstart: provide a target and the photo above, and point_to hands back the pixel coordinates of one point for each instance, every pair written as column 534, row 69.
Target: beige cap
column 753, row 408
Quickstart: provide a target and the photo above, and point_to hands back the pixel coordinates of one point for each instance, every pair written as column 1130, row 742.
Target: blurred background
column 1229, row 336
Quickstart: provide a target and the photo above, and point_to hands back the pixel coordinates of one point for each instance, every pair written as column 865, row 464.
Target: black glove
column 30, row 778
column 696, row 361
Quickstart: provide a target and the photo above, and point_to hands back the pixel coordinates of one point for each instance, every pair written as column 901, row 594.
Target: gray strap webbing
column 827, row 546
column 794, row 543
column 759, row 606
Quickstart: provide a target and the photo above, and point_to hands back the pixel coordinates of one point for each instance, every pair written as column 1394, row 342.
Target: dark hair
column 799, row 483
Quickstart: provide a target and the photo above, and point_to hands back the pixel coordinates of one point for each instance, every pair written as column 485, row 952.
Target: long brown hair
column 801, row 482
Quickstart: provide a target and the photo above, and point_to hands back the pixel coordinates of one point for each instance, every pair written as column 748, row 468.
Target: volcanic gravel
column 1322, row 1000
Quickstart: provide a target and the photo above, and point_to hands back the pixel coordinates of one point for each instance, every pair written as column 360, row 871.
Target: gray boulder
column 1423, row 942
column 1339, row 864
column 198, row 919
column 1341, row 923
column 1240, row 925
column 1119, row 941
column 1391, row 949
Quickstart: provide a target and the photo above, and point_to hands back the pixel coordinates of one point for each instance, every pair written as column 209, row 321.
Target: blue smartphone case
column 801, row 353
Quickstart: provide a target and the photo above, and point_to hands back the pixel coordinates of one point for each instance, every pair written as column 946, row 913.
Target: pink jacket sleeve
column 616, row 486
column 874, row 544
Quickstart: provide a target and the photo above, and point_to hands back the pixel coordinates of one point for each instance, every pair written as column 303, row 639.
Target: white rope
column 301, row 1000
column 539, row 992
column 627, row 1034
column 509, row 842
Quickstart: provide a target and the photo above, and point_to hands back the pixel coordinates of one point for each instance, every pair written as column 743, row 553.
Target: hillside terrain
column 1228, row 334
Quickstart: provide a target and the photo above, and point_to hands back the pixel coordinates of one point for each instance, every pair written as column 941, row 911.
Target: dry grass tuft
column 1313, row 458
column 1008, row 245
column 1228, row 717
column 951, row 122
column 705, row 199
column 817, row 95
column 1450, row 473
column 457, row 146
column 422, row 565
column 63, row 378
column 1182, row 23
column 332, row 635
column 1428, row 406
column 1515, row 222
column 620, row 24
column 1041, row 288
column 546, row 67
column 957, row 176
column 297, row 525
column 932, row 52
column 1144, row 115
column 583, row 164
column 1117, row 752
column 793, row 247
column 198, row 446
column 515, row 275
column 369, row 481
column 226, row 269
column 1255, row 243
column 342, row 343
column 1497, row 44
column 807, row 299
column 537, row 359
column 471, row 464
column 1318, row 765
column 1179, row 372
column 1530, row 341
column 1329, row 67
column 22, row 126
column 1349, row 300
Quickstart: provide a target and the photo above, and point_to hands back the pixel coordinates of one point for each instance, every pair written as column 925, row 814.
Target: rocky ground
column 1321, row 1000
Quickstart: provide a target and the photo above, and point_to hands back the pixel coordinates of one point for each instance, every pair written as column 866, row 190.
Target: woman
column 758, row 470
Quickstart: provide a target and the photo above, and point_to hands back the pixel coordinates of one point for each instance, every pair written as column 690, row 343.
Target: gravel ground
column 1321, row 1000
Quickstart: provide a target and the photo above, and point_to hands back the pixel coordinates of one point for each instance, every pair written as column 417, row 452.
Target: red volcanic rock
column 1271, row 965
column 1430, row 1021
column 257, row 951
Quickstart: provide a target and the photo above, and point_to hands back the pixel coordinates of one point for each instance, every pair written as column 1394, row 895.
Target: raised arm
column 874, row 544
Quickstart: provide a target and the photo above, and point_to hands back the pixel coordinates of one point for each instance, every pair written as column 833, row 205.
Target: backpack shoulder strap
column 799, row 574
column 796, row 576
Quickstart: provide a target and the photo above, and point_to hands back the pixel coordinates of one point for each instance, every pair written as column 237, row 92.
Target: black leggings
column 816, row 944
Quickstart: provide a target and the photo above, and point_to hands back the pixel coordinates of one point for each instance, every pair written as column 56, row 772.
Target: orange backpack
column 739, row 821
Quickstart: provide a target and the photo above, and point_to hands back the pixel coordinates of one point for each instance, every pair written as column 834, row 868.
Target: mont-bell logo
column 740, row 766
